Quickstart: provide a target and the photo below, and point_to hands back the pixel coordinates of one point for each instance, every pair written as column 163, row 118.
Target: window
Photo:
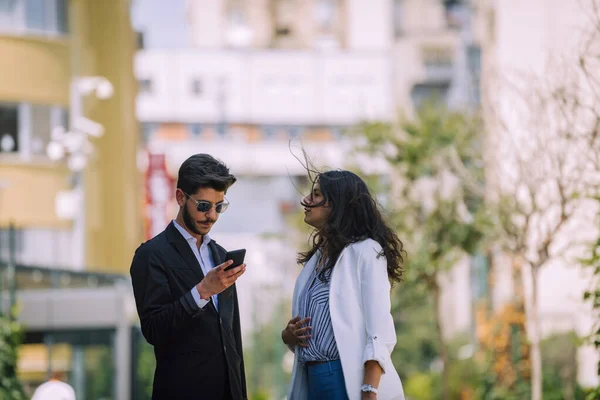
column 26, row 128
column 474, row 64
column 197, row 87
column 145, row 86
column 139, row 38
column 148, row 131
column 325, row 13
column 11, row 244
column 34, row 16
column 295, row 132
column 438, row 62
column 221, row 129
column 426, row 93
column 454, row 13
column 397, row 17
column 195, row 129
column 9, row 128
column 269, row 131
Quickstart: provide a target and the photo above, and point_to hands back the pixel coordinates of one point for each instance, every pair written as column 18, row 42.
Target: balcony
column 264, row 87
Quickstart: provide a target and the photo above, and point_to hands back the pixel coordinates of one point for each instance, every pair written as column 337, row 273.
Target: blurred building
column 59, row 219
column 45, row 45
column 255, row 79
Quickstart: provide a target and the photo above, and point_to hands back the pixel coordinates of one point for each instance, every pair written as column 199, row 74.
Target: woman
column 343, row 332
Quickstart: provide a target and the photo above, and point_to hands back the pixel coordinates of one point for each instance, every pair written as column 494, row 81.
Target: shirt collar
column 188, row 236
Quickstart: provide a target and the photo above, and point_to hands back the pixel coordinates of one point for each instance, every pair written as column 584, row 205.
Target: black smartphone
column 237, row 256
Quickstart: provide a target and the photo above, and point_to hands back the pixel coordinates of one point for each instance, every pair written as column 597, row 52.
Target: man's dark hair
column 204, row 171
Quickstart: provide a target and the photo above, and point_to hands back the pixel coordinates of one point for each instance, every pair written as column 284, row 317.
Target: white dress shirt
column 204, row 259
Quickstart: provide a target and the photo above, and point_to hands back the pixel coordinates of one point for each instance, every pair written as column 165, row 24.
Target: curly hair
column 354, row 217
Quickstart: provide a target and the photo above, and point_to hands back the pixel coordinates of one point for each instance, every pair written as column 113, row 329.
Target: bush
column 10, row 339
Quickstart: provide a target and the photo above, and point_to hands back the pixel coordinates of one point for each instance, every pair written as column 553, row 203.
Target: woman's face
column 316, row 216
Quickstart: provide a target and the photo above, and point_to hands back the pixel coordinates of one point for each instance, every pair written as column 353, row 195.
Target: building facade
column 46, row 45
column 61, row 219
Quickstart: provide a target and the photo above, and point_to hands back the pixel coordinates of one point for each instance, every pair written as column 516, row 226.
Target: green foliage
column 145, row 364
column 592, row 296
column 560, row 367
column 420, row 386
column 10, row 339
column 443, row 149
column 417, row 346
column 437, row 207
column 264, row 357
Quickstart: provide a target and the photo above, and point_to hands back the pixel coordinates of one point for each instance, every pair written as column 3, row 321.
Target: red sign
column 159, row 193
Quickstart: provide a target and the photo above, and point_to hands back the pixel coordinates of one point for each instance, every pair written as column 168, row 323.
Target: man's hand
column 218, row 280
column 294, row 334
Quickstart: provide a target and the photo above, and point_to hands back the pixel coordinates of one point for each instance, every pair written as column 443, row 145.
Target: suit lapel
column 184, row 250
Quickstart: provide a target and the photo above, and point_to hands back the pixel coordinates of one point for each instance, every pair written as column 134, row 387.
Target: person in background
column 55, row 389
column 186, row 300
column 343, row 334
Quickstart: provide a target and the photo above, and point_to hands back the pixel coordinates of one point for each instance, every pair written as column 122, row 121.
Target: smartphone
column 237, row 256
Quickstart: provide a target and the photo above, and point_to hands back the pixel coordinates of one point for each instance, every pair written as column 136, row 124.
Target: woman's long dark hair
column 354, row 217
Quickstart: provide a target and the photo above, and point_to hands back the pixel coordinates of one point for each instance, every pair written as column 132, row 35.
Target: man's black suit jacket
column 198, row 350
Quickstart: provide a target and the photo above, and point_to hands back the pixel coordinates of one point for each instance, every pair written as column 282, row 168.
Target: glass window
column 398, row 17
column 140, row 40
column 40, row 128
column 9, row 14
column 9, row 128
column 34, row 16
column 325, row 13
column 195, row 129
column 148, row 131
column 26, row 128
column 62, row 16
column 430, row 93
column 145, row 85
column 197, row 87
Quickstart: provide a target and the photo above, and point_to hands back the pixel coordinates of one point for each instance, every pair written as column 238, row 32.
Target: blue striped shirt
column 314, row 303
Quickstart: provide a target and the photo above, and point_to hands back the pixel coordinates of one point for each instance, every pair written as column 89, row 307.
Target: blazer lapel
column 184, row 250
column 301, row 282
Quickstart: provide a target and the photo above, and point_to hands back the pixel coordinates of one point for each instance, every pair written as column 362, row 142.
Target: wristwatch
column 366, row 388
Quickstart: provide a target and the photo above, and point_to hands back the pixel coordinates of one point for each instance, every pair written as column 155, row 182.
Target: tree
column 437, row 197
column 592, row 296
column 10, row 339
column 544, row 164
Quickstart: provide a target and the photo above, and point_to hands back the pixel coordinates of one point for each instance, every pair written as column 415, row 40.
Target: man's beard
column 189, row 221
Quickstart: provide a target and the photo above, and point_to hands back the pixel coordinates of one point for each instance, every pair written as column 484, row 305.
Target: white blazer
column 359, row 303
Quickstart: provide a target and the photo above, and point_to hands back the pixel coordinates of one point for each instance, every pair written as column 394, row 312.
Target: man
column 186, row 301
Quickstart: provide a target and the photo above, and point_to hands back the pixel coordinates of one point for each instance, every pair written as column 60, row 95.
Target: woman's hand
column 294, row 334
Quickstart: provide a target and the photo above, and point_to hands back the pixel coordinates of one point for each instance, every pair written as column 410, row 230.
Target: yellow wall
column 114, row 215
column 28, row 198
column 34, row 70
column 38, row 70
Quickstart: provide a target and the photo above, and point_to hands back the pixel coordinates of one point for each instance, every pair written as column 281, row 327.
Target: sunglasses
column 205, row 206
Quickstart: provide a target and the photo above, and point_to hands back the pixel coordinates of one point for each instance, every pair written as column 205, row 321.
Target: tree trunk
column 442, row 343
column 534, row 334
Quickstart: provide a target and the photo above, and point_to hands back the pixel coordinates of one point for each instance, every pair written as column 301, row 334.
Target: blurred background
column 475, row 122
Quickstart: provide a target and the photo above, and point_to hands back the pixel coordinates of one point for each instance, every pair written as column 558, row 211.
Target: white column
column 122, row 349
